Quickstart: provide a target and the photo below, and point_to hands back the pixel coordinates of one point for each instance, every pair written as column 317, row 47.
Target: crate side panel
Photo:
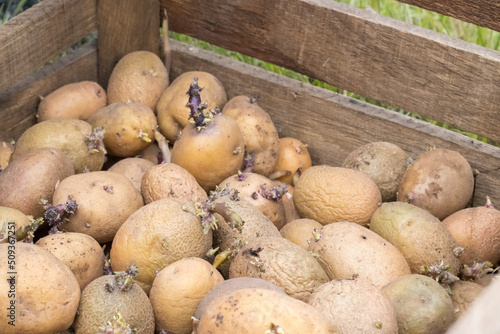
column 19, row 103
column 31, row 39
column 405, row 66
column 333, row 125
column 484, row 13
column 126, row 26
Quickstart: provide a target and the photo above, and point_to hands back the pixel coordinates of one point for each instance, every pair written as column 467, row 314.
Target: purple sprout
column 274, row 194
column 56, row 215
column 197, row 114
column 94, row 140
column 248, row 163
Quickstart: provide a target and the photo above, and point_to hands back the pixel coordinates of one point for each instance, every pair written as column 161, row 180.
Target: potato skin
column 293, row 155
column 132, row 168
column 32, row 176
column 259, row 132
column 171, row 109
column 248, row 311
column 6, row 150
column 281, row 262
column 10, row 215
column 439, row 181
column 420, row 237
column 463, row 295
column 347, row 249
column 46, row 292
column 355, row 306
column 78, row 100
column 299, row 231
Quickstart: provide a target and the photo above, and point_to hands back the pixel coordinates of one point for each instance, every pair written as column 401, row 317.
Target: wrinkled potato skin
column 211, row 154
column 259, row 132
column 78, row 100
column 124, row 124
column 281, row 262
column 347, row 249
column 385, row 163
column 248, row 311
column 172, row 111
column 439, row 181
column 421, row 238
column 422, row 305
column 32, row 176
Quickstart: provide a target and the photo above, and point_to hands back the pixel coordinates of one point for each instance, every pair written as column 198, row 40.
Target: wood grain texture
column 484, row 13
column 333, row 125
column 405, row 66
column 31, row 39
column 125, row 26
column 19, row 103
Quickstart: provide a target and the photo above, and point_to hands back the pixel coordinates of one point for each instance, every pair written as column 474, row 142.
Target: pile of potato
column 158, row 207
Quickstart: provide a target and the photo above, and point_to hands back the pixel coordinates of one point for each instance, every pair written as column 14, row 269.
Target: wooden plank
column 125, row 26
column 31, row 39
column 484, row 13
column 333, row 125
column 405, row 66
column 19, row 103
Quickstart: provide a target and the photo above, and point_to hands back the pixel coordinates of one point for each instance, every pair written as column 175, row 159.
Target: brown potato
column 259, row 133
column 385, row 163
column 463, row 294
column 478, row 231
column 172, row 111
column 355, row 306
column 348, row 250
column 332, row 194
column 177, row 291
column 248, row 311
column 132, row 168
column 281, row 262
column 300, row 231
column 422, row 305
column 31, row 177
column 420, row 237
column 105, row 200
column 293, row 158
column 439, row 181
column 128, row 127
column 80, row 252
column 290, row 210
column 170, row 180
column 78, row 100
column 76, row 138
column 44, row 292
column 157, row 235
column 139, row 76
column 261, row 192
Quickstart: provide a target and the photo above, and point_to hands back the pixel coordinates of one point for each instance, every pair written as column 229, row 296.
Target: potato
column 259, row 133
column 80, row 252
column 420, row 237
column 172, row 111
column 478, row 231
column 463, row 294
column 261, row 192
column 385, row 163
column 43, row 294
column 439, row 181
column 259, row 310
column 281, row 262
column 76, row 138
column 104, row 302
column 105, row 200
column 152, row 153
column 355, row 306
column 332, row 194
column 421, row 304
column 157, row 235
column 128, row 127
column 9, row 216
column 300, row 231
column 170, row 180
column 6, row 150
column 177, row 291
column 290, row 210
column 228, row 286
column 349, row 250
column 293, row 159
column 31, row 177
column 139, row 76
column 77, row 100
column 132, row 168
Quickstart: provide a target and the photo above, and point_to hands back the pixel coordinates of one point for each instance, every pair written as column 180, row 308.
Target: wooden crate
column 394, row 62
